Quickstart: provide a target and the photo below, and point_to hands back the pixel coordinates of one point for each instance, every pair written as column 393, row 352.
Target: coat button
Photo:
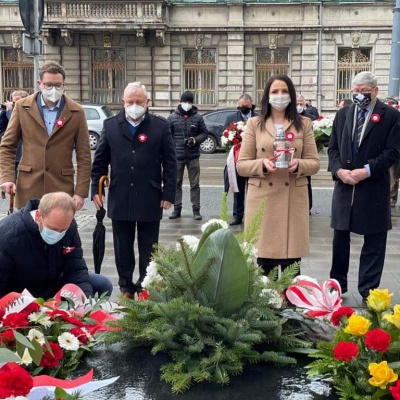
column 131, row 167
column 286, row 183
column 131, row 184
column 47, row 147
column 263, row 149
column 348, row 161
column 270, row 184
column 47, row 168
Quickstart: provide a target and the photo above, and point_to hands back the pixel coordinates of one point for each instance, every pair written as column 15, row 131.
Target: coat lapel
column 123, row 124
column 31, row 107
column 378, row 109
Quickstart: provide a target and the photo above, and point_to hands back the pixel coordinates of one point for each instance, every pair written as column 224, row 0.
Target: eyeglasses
column 51, row 85
column 364, row 91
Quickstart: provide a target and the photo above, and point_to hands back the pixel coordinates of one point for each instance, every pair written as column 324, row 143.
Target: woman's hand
column 294, row 165
column 269, row 165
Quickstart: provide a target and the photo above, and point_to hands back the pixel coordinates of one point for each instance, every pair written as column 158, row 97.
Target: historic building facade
column 216, row 48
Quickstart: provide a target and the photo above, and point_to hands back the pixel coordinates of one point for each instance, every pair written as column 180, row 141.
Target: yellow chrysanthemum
column 382, row 374
column 379, row 300
column 395, row 317
column 357, row 325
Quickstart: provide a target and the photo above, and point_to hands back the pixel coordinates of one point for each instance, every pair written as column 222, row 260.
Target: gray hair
column 21, row 93
column 133, row 86
column 300, row 97
column 57, row 200
column 245, row 96
column 365, row 77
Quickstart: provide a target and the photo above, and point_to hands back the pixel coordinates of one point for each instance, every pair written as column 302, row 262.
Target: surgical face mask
column 50, row 236
column 362, row 100
column 299, row 109
column 53, row 94
column 186, row 106
column 135, row 112
column 279, row 101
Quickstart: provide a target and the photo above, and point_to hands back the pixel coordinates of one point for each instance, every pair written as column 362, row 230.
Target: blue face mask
column 50, row 236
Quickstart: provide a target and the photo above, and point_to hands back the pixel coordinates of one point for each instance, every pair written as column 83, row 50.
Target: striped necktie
column 360, row 125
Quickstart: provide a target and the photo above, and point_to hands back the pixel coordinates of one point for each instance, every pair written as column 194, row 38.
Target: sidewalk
column 316, row 265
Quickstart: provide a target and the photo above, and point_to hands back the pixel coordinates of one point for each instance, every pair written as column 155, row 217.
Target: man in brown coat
column 51, row 127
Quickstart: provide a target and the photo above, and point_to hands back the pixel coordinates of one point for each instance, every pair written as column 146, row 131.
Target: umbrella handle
column 103, row 182
column 12, row 196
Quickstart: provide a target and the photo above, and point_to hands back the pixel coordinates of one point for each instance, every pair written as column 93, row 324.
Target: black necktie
column 360, row 125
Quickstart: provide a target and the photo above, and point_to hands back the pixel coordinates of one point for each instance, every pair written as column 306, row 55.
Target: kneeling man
column 40, row 250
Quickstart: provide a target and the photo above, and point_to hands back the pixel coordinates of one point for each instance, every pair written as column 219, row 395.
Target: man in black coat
column 139, row 148
column 40, row 250
column 364, row 144
column 245, row 111
column 189, row 131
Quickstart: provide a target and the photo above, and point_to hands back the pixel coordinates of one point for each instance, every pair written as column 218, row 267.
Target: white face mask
column 135, row 112
column 186, row 106
column 53, row 94
column 279, row 102
column 299, row 109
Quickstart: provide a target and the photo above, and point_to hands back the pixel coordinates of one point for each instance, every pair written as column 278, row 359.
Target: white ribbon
column 231, row 170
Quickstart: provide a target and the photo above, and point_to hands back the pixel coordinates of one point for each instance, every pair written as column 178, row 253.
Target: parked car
column 215, row 121
column 95, row 116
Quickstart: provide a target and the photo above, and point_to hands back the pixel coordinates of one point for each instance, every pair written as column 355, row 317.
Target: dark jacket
column 184, row 125
column 312, row 111
column 143, row 167
column 365, row 207
column 236, row 117
column 27, row 262
column 307, row 114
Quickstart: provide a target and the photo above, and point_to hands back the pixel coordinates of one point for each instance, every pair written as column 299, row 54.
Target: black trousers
column 238, row 198
column 268, row 264
column 124, row 238
column 372, row 259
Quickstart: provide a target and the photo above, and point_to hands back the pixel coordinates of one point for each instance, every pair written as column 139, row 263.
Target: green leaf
column 208, row 231
column 227, row 281
column 7, row 355
column 36, row 354
column 23, row 340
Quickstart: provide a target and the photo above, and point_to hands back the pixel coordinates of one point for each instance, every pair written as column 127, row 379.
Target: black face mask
column 362, row 100
column 244, row 110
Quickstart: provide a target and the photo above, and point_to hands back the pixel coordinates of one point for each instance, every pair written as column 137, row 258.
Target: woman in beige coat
column 284, row 235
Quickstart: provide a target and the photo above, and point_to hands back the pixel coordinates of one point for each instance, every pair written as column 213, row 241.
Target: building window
column 17, row 72
column 108, row 76
column 269, row 62
column 351, row 62
column 199, row 70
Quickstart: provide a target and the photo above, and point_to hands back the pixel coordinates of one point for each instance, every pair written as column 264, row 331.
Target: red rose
column 320, row 117
column 345, row 351
column 341, row 312
column 14, row 381
column 226, row 133
column 74, row 321
column 395, row 390
column 81, row 335
column 235, row 141
column 15, row 320
column 7, row 338
column 51, row 360
column 144, row 295
column 377, row 340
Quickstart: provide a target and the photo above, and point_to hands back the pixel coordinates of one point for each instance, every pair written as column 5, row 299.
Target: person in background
column 139, row 148
column 284, row 233
column 245, row 111
column 344, row 103
column 303, row 111
column 52, row 128
column 364, row 144
column 311, row 109
column 188, row 131
column 9, row 106
column 40, row 250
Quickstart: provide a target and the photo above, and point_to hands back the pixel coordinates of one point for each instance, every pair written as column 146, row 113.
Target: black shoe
column 196, row 215
column 175, row 214
column 236, row 221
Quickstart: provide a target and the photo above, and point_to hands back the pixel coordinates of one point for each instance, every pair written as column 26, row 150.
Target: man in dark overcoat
column 245, row 110
column 140, row 150
column 364, row 144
